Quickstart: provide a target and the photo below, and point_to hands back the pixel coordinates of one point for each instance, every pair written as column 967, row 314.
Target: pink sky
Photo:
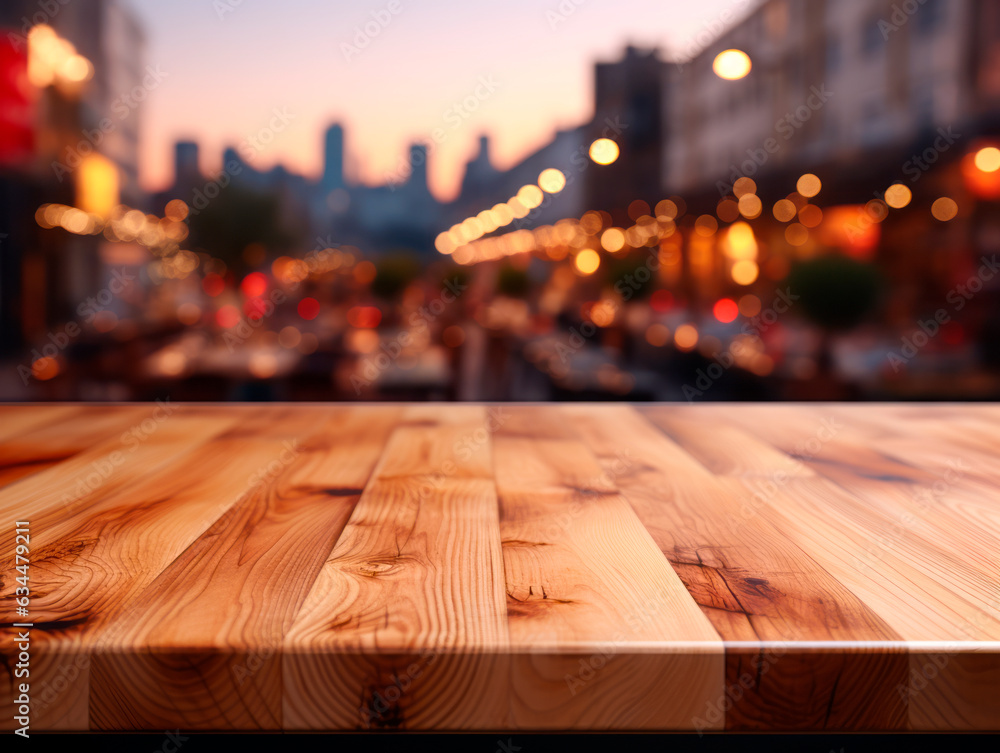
column 226, row 76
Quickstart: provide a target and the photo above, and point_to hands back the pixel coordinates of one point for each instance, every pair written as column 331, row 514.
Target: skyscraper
column 418, row 168
column 186, row 171
column 333, row 166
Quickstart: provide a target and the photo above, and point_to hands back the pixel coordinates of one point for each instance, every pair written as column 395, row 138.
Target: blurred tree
column 513, row 282
column 836, row 293
column 394, row 274
column 237, row 218
column 632, row 278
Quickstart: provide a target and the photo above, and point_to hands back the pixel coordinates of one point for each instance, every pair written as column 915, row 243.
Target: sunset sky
column 230, row 64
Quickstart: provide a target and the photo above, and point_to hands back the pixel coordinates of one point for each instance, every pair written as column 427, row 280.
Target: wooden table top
column 462, row 567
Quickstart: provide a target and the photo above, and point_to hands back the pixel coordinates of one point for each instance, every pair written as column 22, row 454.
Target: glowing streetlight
column 604, row 151
column 732, row 65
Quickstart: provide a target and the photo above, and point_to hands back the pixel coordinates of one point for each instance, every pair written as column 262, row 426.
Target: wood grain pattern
column 461, row 567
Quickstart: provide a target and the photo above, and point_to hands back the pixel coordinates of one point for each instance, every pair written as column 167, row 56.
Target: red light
column 254, row 285
column 954, row 333
column 255, row 307
column 17, row 123
column 308, row 308
column 364, row 317
column 662, row 300
column 228, row 316
column 726, row 310
column 213, row 285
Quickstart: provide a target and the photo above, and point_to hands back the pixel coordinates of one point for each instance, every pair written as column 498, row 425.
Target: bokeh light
column 944, row 209
column 726, row 310
column 732, row 65
column 898, row 196
column 551, row 180
column 988, row 159
column 604, row 151
column 809, row 185
column 587, row 261
column 686, row 337
column 308, row 308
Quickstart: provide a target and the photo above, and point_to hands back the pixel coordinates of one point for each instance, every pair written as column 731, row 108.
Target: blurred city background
column 565, row 200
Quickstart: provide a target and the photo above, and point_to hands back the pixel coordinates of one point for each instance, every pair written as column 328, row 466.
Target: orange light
column 364, row 317
column 530, row 196
column 686, row 337
column 784, row 210
column 944, row 209
column 744, row 186
column 988, row 159
column 587, row 261
column 898, row 196
column 97, row 186
column 613, row 240
column 851, row 228
column 604, row 151
column 364, row 272
column 657, row 335
column 745, row 272
column 176, row 210
column 983, row 184
column 809, row 185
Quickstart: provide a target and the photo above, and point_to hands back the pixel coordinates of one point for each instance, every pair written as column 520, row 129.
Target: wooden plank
column 62, row 434
column 723, row 448
column 458, row 567
column 17, row 420
column 762, row 592
column 624, row 645
column 89, row 560
column 934, row 601
column 405, row 624
column 209, row 628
